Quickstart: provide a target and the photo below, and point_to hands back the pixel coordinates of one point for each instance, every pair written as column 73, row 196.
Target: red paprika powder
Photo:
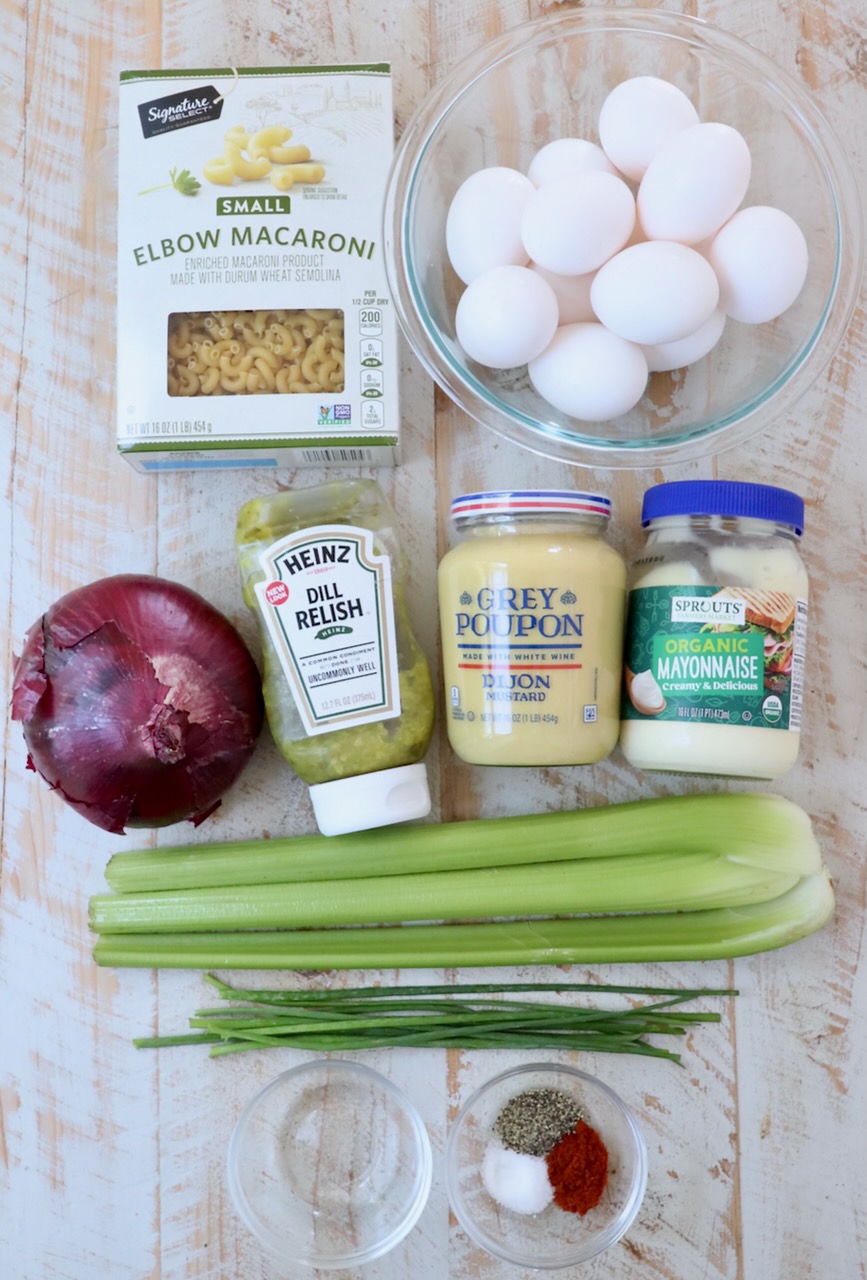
column 578, row 1169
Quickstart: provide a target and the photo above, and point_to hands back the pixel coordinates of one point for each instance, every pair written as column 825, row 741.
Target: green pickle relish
column 347, row 688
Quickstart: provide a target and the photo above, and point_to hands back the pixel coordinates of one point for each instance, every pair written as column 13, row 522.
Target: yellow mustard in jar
column 531, row 610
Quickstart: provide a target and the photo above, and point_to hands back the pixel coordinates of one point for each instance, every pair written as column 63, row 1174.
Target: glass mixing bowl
column 329, row 1165
column 548, row 79
column 551, row 1239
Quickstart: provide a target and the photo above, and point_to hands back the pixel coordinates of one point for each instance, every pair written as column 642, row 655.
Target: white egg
column 573, row 225
column 483, row 227
column 638, row 118
column 694, row 183
column 665, row 356
column 590, row 373
column 506, row 317
column 572, row 293
column 567, row 156
column 655, row 292
column 760, row 257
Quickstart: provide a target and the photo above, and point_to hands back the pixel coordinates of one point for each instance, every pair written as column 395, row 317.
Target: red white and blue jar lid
column 470, row 506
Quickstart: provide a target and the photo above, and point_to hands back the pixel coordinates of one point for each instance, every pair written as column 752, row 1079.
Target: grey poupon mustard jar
column 531, row 610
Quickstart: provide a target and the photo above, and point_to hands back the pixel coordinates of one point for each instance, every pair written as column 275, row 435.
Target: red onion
column 141, row 703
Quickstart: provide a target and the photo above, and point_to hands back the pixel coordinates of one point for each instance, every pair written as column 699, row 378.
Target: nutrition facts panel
column 799, row 649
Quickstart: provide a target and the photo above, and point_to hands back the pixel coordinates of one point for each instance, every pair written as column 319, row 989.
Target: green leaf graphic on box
column 184, row 182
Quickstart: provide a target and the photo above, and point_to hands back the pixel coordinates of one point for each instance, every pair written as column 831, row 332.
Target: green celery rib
column 652, row 882
column 692, row 935
column 738, row 824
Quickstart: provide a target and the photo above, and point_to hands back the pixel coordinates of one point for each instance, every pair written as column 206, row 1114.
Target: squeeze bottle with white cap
column 347, row 689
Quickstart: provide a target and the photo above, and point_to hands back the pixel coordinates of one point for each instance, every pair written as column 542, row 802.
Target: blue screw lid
column 724, row 498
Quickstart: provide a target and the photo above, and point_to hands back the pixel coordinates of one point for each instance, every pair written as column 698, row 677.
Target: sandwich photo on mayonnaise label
column 773, row 613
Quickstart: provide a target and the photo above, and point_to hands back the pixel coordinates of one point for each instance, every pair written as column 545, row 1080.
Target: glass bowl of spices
column 329, row 1165
column 546, row 1166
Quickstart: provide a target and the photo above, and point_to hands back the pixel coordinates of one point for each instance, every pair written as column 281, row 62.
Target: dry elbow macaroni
column 262, row 154
column 217, row 353
column 244, row 270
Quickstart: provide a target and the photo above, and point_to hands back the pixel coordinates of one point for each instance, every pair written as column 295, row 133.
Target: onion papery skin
column 139, row 700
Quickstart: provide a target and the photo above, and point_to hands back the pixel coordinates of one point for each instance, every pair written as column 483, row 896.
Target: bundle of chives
column 439, row 1016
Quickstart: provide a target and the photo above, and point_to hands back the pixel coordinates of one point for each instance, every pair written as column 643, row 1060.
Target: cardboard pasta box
column 254, row 322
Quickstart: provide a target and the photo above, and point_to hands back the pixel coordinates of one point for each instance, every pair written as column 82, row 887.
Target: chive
column 461, row 1017
column 449, row 988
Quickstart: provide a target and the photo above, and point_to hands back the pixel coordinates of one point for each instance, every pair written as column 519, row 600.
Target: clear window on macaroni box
column 255, row 326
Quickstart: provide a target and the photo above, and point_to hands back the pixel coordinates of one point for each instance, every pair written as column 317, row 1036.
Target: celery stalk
column 714, row 934
column 651, row 882
column 736, row 824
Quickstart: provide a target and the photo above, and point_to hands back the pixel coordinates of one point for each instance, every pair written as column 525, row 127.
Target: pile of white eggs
column 594, row 283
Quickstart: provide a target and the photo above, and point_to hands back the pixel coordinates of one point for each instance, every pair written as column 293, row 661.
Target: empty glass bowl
column 329, row 1165
column 548, row 79
column 553, row 1238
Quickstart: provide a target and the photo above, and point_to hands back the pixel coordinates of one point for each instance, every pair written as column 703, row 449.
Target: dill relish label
column 327, row 602
column 715, row 654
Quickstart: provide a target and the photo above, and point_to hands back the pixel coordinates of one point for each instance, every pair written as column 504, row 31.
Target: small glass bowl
column 329, row 1165
column 553, row 1238
column 548, row 79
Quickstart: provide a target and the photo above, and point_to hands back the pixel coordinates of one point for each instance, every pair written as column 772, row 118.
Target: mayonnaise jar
column 531, row 612
column 716, row 631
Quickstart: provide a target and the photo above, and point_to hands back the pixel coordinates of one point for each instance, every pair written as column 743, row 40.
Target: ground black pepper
column 533, row 1121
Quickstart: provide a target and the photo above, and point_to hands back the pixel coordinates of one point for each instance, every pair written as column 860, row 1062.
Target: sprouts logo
column 708, row 609
column 180, row 110
column 331, row 413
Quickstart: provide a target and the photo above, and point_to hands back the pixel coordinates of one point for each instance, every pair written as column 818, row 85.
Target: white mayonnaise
column 716, row 632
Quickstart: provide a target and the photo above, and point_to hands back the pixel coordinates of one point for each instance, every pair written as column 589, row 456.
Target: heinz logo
column 276, row 593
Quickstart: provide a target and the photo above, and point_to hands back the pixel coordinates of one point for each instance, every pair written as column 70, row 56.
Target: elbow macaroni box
column 255, row 326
